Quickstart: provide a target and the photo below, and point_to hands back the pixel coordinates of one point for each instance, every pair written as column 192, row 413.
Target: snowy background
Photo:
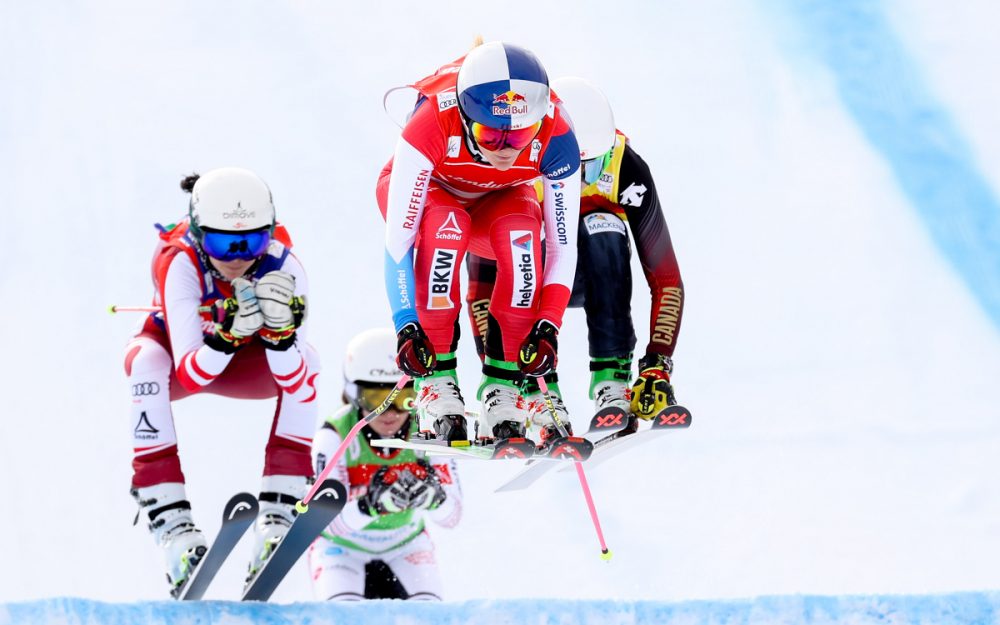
column 829, row 171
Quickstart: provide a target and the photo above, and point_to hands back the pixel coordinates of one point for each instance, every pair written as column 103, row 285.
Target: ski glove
column 388, row 492
column 237, row 318
column 652, row 392
column 283, row 312
column 415, row 356
column 426, row 493
column 538, row 353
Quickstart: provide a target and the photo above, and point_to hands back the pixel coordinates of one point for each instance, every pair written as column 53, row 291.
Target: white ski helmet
column 371, row 358
column 593, row 119
column 503, row 86
column 231, row 199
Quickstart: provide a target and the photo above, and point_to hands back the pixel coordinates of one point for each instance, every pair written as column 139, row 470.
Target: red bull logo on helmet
column 509, row 103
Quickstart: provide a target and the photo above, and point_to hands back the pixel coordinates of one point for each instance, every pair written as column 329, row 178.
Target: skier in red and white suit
column 232, row 299
column 484, row 128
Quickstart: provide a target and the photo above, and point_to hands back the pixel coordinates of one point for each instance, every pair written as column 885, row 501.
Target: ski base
column 237, row 515
column 324, row 507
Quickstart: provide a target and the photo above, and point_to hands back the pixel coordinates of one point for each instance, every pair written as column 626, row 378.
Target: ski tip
column 112, row 309
column 301, row 508
column 606, row 555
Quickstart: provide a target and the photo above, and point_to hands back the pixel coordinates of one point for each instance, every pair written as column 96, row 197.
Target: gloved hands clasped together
column 404, row 487
column 269, row 309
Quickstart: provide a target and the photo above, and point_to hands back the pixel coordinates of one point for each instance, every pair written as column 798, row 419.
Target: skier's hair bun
column 187, row 183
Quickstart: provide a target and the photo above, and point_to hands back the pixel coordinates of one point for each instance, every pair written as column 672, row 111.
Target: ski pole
column 303, row 505
column 561, row 427
column 115, row 308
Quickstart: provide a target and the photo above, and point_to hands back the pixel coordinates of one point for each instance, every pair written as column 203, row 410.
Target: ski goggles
column 594, row 167
column 227, row 246
column 370, row 398
column 494, row 139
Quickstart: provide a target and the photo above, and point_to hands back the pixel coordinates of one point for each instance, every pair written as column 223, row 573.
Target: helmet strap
column 470, row 142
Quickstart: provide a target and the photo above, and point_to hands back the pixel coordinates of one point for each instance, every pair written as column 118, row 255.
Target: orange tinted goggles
column 494, row 139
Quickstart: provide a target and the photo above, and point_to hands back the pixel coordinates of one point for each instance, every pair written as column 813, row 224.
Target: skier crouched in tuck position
column 483, row 127
column 231, row 322
column 378, row 547
column 616, row 188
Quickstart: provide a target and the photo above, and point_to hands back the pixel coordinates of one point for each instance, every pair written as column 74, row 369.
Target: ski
column 671, row 418
column 327, row 503
column 608, row 421
column 510, row 449
column 568, row 448
column 606, row 447
column 238, row 514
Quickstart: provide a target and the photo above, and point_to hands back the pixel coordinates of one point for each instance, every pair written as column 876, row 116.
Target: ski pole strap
column 403, row 380
column 531, row 385
column 544, row 387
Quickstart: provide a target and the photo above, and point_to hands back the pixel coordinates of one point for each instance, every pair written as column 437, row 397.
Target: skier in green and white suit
column 378, row 547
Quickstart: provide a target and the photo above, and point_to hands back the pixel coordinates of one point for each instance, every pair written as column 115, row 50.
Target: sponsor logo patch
column 454, row 146
column 439, row 281
column 143, row 389
column 523, row 258
column 606, row 182
column 449, row 229
column 602, row 222
column 632, row 196
column 536, row 149
column 416, row 200
column 509, row 103
column 144, row 430
column 447, row 100
column 404, row 292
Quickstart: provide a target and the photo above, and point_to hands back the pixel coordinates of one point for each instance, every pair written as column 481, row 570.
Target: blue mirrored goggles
column 236, row 245
column 593, row 167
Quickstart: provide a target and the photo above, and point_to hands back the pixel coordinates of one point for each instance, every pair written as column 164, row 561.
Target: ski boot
column 173, row 529
column 552, row 442
column 652, row 392
column 541, row 417
column 441, row 408
column 612, row 395
column 505, row 414
column 278, row 496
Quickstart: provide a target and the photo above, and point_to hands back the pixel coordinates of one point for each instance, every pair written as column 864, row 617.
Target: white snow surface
column 842, row 374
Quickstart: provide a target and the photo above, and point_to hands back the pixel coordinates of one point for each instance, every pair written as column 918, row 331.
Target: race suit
column 167, row 359
column 623, row 194
column 346, row 560
column 441, row 198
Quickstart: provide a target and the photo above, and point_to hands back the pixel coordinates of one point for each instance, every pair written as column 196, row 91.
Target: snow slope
column 830, row 175
column 950, row 609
